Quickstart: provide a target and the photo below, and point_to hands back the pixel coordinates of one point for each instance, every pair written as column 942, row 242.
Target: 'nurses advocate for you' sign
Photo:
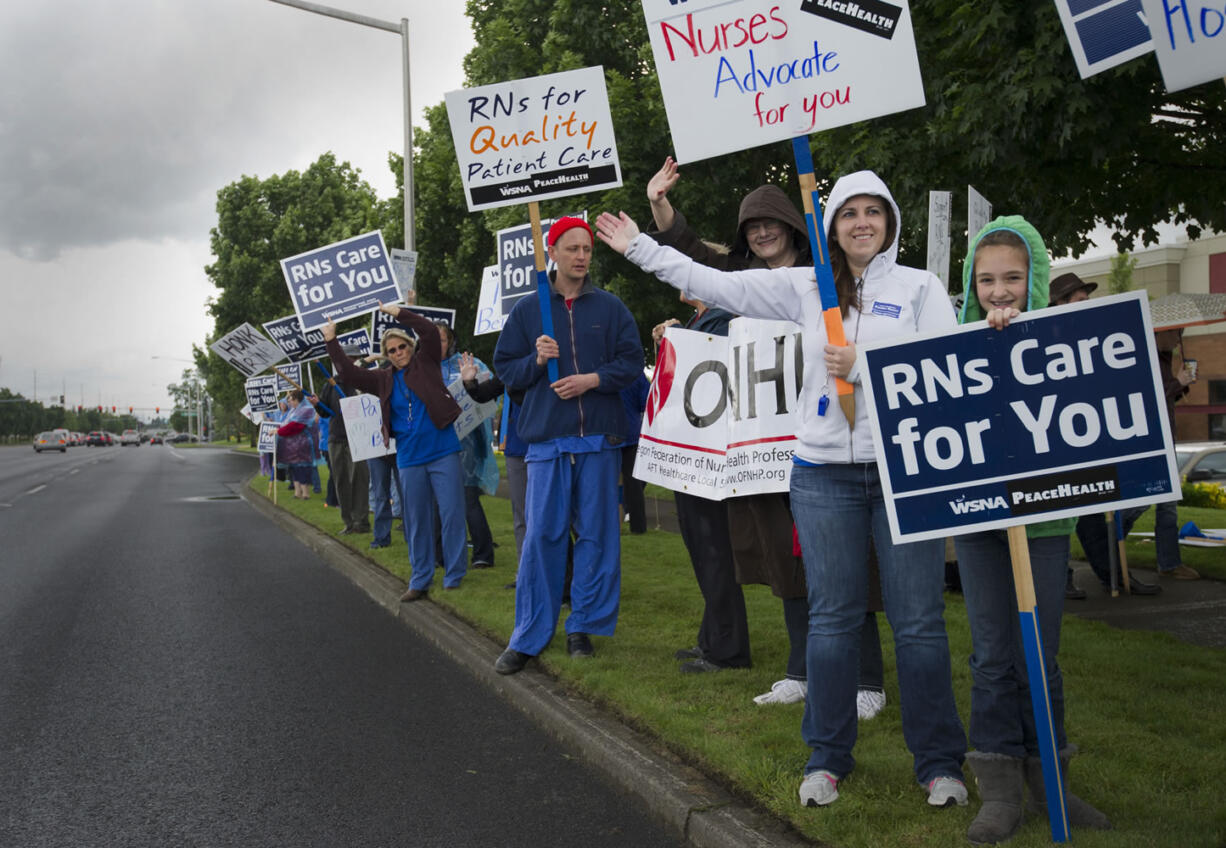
column 1060, row 414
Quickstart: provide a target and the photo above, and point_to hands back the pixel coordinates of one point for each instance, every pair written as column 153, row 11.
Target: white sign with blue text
column 350, row 277
column 1060, row 414
column 737, row 74
column 363, row 417
column 1190, row 40
column 490, row 317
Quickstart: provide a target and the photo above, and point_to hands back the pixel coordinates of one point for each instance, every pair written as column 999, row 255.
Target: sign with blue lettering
column 517, row 261
column 1060, row 414
column 382, row 321
column 350, row 277
column 262, row 393
column 490, row 316
column 299, row 346
column 1104, row 33
column 268, row 437
column 533, row 139
column 1190, row 40
column 288, row 377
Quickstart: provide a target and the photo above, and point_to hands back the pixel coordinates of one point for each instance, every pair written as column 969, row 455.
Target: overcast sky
column 119, row 122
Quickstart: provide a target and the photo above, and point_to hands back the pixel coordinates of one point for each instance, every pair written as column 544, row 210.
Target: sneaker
column 819, row 789
column 700, row 666
column 944, row 791
column 694, row 653
column 1181, row 572
column 869, row 702
column 785, row 691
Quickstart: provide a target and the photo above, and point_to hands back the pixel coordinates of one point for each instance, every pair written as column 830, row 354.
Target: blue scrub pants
column 439, row 482
column 576, row 491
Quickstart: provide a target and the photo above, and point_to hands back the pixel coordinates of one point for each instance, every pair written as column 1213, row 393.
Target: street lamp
column 403, row 29
column 199, row 400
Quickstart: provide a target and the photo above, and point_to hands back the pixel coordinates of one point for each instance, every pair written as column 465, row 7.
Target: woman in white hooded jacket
column 835, row 491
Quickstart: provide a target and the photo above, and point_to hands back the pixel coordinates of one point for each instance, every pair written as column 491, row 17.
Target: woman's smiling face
column 859, row 228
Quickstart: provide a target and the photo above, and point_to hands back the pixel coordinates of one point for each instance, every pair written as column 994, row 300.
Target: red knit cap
column 562, row 225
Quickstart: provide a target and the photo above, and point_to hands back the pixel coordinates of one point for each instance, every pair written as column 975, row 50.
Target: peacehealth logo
column 872, row 16
column 1049, row 493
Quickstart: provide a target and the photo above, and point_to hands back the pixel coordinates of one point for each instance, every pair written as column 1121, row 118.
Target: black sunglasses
column 398, row 348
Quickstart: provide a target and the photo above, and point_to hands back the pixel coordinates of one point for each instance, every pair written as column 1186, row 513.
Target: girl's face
column 770, row 240
column 1001, row 277
column 859, row 228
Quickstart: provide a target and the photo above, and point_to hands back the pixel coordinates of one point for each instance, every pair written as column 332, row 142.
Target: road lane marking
column 36, row 489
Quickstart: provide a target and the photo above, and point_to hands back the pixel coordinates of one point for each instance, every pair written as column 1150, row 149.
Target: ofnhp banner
column 262, row 393
column 1059, row 414
column 737, row 74
column 1190, row 40
column 350, row 277
column 720, row 419
column 382, row 321
column 534, row 138
column 247, row 350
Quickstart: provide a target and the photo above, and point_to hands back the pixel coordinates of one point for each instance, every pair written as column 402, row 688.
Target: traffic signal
column 99, row 408
column 129, row 410
column 112, row 410
column 158, row 410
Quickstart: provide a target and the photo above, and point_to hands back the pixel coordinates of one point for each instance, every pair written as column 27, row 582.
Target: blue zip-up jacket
column 596, row 335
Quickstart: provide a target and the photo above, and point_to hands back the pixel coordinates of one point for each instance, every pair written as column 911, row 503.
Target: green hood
column 1040, row 268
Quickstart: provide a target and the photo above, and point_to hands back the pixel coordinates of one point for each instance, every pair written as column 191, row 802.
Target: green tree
column 1119, row 279
column 259, row 222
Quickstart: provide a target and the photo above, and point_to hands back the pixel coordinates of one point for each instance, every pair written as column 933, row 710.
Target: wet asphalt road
column 177, row 671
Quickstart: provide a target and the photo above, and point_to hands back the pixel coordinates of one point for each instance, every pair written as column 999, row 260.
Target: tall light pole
column 402, row 29
column 199, row 399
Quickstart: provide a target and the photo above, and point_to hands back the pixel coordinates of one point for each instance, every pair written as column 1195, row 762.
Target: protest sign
column 535, row 138
column 978, row 214
column 404, row 266
column 1060, row 414
column 247, row 350
column 359, row 339
column 363, row 417
column 299, row 345
column 490, row 316
column 350, row 277
column 1189, row 39
column 1104, row 33
column 471, row 412
column 720, row 418
column 382, row 321
column 288, row 377
column 516, row 262
column 737, row 74
column 940, row 205
column 268, row 437
column 262, row 393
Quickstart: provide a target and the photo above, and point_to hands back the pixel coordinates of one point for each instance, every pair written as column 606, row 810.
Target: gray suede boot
column 1080, row 813
column 999, row 778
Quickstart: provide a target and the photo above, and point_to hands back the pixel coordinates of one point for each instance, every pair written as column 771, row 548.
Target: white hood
column 851, row 185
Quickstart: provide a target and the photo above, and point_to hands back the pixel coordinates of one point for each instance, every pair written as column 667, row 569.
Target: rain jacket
column 897, row 301
column 1037, row 293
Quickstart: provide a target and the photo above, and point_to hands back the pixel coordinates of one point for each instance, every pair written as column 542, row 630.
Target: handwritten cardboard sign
column 737, row 74
column 534, row 138
column 363, row 417
column 247, row 350
column 1190, row 40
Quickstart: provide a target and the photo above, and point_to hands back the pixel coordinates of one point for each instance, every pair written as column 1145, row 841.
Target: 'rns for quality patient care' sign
column 720, row 419
column 1060, row 414
column 533, row 139
column 737, row 74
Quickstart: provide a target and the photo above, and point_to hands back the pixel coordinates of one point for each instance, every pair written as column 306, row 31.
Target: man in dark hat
column 574, row 427
column 1069, row 288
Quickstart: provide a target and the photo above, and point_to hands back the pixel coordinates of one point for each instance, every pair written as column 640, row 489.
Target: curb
column 683, row 798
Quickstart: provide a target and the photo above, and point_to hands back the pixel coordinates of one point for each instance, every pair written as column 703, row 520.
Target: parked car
column 51, row 440
column 130, row 437
column 1202, row 462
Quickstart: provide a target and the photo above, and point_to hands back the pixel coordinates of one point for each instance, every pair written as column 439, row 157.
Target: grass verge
column 1145, row 708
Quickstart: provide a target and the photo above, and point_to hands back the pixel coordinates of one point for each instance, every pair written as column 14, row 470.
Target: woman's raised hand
column 664, row 179
column 329, row 330
column 468, row 367
column 617, row 231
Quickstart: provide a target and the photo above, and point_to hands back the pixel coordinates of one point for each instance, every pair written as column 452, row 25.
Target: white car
column 130, row 437
column 1202, row 462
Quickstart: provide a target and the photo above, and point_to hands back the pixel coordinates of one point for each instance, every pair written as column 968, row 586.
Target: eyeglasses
column 397, row 349
column 764, row 225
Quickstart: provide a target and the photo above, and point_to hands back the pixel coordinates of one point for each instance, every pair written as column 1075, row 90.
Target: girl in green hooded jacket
column 1005, row 274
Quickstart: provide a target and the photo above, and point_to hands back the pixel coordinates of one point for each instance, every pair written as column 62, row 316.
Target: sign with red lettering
column 534, row 138
column 740, row 74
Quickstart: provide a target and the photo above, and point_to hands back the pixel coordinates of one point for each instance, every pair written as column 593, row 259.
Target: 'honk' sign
column 737, row 74
column 1060, row 414
column 350, row 277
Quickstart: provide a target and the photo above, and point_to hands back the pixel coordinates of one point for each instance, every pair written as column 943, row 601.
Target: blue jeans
column 837, row 507
column 1092, row 533
column 384, row 485
column 1002, row 719
column 422, row 487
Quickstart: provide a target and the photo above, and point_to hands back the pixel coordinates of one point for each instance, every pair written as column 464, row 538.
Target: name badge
column 890, row 310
